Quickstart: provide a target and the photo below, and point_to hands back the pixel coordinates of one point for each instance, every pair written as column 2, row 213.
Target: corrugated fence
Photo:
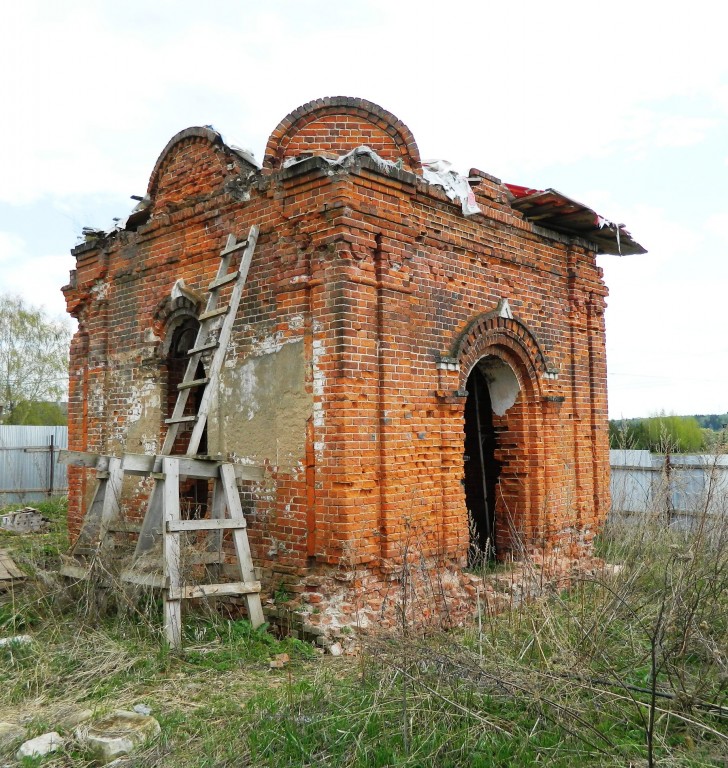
column 682, row 487
column 29, row 470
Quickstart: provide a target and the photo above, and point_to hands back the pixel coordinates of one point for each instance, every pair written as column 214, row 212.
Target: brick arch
column 199, row 135
column 167, row 316
column 520, row 451
column 504, row 337
column 337, row 124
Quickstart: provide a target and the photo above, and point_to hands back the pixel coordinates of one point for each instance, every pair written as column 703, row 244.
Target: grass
column 629, row 667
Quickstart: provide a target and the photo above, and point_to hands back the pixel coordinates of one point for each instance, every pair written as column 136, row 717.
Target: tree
column 34, row 351
column 33, row 414
column 673, row 434
column 660, row 434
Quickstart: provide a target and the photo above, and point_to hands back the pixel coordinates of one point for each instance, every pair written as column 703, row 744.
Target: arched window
column 194, row 493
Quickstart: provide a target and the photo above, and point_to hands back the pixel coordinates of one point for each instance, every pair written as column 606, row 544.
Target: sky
column 621, row 105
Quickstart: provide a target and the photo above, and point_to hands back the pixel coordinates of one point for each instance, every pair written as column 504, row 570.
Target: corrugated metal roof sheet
column 549, row 208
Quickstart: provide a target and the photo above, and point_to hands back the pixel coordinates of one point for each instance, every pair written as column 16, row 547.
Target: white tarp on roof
column 440, row 173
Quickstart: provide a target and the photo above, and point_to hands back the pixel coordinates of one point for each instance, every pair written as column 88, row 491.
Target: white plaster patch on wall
column 100, row 290
column 142, row 397
column 319, row 387
column 97, row 399
column 246, row 388
column 318, row 414
column 236, row 458
column 150, row 444
column 319, row 379
column 231, row 354
column 295, row 322
column 268, row 344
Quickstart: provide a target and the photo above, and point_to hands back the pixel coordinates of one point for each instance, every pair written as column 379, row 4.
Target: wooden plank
column 240, row 541
column 112, row 497
column 214, row 537
column 202, row 348
column 74, row 571
column 83, row 459
column 216, row 590
column 8, row 569
column 171, row 553
column 141, row 463
column 154, row 580
column 231, row 247
column 88, row 537
column 213, row 313
column 220, row 281
column 153, row 524
column 181, row 419
column 199, row 468
column 206, row 525
column 192, row 384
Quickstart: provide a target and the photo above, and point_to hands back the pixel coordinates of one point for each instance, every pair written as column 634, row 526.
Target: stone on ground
column 40, row 745
column 117, row 734
column 10, row 733
column 70, row 718
column 16, row 640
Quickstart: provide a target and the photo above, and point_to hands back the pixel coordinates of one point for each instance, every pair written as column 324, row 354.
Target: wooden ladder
column 203, row 344
column 163, row 523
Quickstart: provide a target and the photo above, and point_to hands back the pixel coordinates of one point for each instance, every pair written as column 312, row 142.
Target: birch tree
column 34, row 351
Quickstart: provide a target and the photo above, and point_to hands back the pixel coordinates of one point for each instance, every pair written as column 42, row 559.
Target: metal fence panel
column 682, row 487
column 29, row 470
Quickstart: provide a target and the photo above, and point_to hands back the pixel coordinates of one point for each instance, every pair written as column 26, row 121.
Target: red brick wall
column 394, row 295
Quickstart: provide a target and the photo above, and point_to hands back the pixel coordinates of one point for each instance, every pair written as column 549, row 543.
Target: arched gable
column 194, row 163
column 335, row 126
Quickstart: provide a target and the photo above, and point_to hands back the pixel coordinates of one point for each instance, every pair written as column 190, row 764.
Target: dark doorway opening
column 481, row 468
column 193, row 493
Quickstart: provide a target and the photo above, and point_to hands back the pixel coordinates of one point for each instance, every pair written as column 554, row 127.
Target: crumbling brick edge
column 344, row 606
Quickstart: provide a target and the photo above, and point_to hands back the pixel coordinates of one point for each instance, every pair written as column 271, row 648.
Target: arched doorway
column 492, row 389
column 193, row 493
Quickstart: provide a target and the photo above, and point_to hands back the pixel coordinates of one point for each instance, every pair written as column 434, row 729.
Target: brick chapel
column 418, row 361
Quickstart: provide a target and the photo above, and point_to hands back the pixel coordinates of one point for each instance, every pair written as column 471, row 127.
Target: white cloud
column 718, row 224
column 37, row 278
column 11, row 245
column 677, row 131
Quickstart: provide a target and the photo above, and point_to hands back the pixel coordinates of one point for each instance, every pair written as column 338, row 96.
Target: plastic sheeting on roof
column 440, row 173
